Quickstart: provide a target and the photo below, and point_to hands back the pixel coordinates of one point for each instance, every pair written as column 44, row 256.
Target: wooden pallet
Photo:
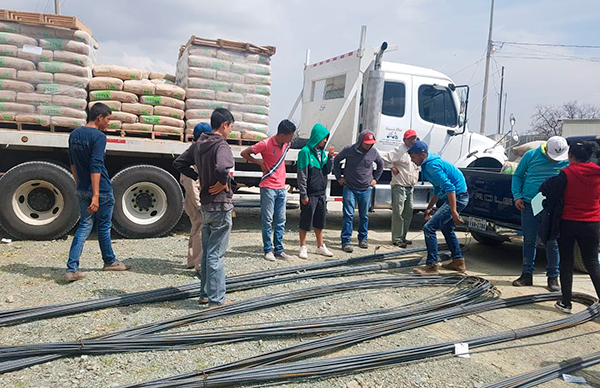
column 44, row 19
column 18, row 126
column 229, row 45
column 145, row 134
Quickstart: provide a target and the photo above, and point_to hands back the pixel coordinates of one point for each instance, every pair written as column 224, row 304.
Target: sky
column 446, row 35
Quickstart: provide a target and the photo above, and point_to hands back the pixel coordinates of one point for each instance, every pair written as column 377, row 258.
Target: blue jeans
column 442, row 220
column 216, row 228
column 529, row 225
column 86, row 222
column 351, row 197
column 272, row 211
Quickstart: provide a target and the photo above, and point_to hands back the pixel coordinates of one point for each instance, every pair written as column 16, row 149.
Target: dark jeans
column 102, row 218
column 351, row 197
column 530, row 225
column 587, row 235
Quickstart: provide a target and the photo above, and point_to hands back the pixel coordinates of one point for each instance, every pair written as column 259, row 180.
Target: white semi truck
column 347, row 94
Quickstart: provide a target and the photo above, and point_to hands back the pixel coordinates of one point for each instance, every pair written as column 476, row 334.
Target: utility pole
column 487, row 73
column 504, row 114
column 57, row 7
column 500, row 103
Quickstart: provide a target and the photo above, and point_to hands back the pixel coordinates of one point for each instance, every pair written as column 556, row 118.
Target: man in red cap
column 358, row 181
column 404, row 177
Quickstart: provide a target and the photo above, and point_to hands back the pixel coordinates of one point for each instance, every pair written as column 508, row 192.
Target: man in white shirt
column 404, row 177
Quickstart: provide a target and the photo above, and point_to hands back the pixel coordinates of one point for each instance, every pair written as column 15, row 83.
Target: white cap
column 557, row 148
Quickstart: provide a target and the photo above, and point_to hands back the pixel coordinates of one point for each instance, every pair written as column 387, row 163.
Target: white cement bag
column 254, row 79
column 251, row 135
column 140, row 87
column 28, row 118
column 250, row 69
column 106, row 83
column 203, row 94
column 230, row 77
column 242, row 126
column 114, row 124
column 200, row 72
column 31, row 53
column 205, row 104
column 238, row 116
column 235, row 135
column 191, row 124
column 209, row 63
column 202, row 51
column 195, row 114
column 256, row 119
column 69, row 122
column 251, row 89
column 201, row 83
column 120, row 72
column 8, row 96
column 64, row 90
column 35, row 77
column 236, row 98
column 59, row 44
column 55, row 110
column 137, row 108
column 168, row 129
column 158, row 75
column 69, row 102
column 231, row 56
column 124, row 117
column 62, row 67
column 17, row 86
column 169, row 112
column 169, row 90
column 74, row 58
column 7, row 116
column 256, row 99
column 115, row 106
column 34, row 99
column 71, row 80
column 16, row 39
column 163, row 101
column 137, row 127
column 8, row 73
column 101, row 95
column 7, row 50
column 161, row 120
column 16, row 63
column 259, row 110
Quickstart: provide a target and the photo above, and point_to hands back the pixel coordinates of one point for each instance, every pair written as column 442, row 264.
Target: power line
column 548, row 44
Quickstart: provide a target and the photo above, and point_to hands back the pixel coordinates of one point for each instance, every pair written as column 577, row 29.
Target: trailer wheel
column 148, row 202
column 486, row 240
column 578, row 259
column 38, row 201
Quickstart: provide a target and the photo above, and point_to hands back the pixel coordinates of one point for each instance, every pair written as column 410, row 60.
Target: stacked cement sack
column 44, row 73
column 140, row 101
column 221, row 78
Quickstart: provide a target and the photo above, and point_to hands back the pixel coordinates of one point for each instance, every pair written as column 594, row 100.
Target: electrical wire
column 548, row 44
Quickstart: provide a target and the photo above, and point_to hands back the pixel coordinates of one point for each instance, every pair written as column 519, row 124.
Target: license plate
column 477, row 223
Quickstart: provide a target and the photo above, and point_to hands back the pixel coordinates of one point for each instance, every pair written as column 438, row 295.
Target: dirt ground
column 31, row 274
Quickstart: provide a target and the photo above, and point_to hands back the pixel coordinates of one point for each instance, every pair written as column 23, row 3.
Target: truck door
column 434, row 113
column 395, row 111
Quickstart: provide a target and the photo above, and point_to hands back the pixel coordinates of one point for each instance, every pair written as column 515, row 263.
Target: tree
column 547, row 119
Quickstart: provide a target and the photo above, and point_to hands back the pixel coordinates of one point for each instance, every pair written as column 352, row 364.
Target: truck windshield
column 437, row 106
column 394, row 98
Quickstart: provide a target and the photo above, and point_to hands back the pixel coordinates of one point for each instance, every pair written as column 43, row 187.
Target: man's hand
column 217, row 188
column 395, row 171
column 263, row 167
column 373, row 182
column 519, row 204
column 456, row 218
column 331, row 151
column 305, row 201
column 427, row 214
column 342, row 181
column 93, row 208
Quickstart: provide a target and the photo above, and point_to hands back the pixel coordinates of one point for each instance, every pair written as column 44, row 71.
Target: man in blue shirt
column 87, row 146
column 450, row 189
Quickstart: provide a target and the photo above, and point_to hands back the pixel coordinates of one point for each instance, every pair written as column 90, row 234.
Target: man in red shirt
column 272, row 187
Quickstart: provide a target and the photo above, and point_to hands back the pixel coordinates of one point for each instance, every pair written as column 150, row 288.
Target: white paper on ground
column 574, row 379
column 462, row 350
column 536, row 203
column 32, row 49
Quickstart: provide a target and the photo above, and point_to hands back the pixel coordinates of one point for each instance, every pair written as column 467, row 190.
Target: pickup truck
column 491, row 216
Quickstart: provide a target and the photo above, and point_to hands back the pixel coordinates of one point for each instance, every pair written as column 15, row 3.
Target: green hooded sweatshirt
column 308, row 154
column 313, row 165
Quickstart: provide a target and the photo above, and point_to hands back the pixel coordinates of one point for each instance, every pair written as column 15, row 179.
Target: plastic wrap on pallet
column 58, row 89
column 114, row 106
column 137, row 108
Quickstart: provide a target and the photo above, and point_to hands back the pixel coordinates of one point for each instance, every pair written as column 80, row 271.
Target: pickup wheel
column 578, row 259
column 486, row 240
column 38, row 201
column 148, row 202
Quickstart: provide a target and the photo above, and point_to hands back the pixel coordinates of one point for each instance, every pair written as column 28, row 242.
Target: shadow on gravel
column 48, row 273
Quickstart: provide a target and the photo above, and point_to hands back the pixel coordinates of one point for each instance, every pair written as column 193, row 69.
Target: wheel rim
column 144, row 203
column 38, row 202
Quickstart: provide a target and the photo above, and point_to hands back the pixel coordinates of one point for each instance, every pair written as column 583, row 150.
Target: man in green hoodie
column 312, row 168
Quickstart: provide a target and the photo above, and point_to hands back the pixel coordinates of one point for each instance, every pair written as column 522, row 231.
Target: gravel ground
column 31, row 274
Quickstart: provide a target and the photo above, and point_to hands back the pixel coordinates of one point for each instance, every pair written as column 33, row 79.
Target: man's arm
column 430, row 206
column 247, row 154
column 337, row 167
column 518, row 179
column 96, row 164
column 330, row 156
column 302, row 180
column 379, row 169
column 184, row 163
column 223, row 163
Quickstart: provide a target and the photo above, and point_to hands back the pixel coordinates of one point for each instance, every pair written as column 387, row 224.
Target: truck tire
column 486, row 240
column 148, row 202
column 38, row 201
column 578, row 259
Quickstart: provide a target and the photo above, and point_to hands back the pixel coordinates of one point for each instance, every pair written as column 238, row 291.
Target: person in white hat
column 536, row 166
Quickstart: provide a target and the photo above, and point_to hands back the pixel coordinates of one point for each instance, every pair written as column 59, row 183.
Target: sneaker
column 363, row 244
column 117, row 266
column 270, row 256
column 563, row 307
column 526, row 279
column 323, row 251
column 429, row 269
column 74, row 276
column 303, row 254
column 400, row 244
column 214, row 306
column 203, row 301
column 553, row 284
column 347, row 248
column 456, row 265
column 284, row 256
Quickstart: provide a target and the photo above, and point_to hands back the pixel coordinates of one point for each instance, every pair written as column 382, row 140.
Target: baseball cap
column 418, row 148
column 369, row 139
column 201, row 128
column 410, row 133
column 557, row 148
